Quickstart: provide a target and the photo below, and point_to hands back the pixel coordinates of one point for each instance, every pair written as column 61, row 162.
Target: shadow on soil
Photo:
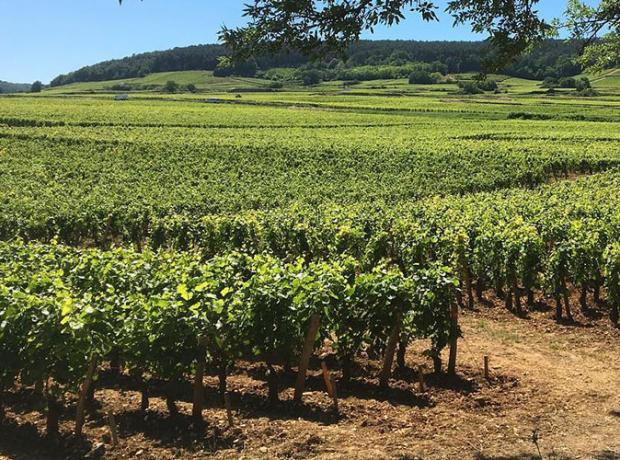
column 607, row 455
column 523, row 456
column 179, row 431
column 21, row 442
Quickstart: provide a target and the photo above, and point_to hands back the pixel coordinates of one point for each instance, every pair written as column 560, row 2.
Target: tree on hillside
column 171, row 86
column 421, row 77
column 311, row 77
column 582, row 84
column 226, row 68
column 36, row 87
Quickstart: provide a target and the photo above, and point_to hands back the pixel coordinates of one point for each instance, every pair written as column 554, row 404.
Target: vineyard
column 163, row 240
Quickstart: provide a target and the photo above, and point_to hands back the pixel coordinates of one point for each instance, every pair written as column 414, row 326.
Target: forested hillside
column 551, row 59
column 7, row 87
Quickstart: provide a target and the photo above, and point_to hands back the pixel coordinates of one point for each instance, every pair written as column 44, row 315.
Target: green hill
column 550, row 58
column 608, row 81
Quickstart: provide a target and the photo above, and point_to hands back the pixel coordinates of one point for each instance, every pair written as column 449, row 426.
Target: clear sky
column 40, row 39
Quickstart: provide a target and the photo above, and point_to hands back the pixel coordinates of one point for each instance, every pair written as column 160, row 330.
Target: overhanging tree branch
column 321, row 27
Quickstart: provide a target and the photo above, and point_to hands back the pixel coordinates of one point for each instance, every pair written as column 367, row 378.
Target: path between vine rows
column 561, row 380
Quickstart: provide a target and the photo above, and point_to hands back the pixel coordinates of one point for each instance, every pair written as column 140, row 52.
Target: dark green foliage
column 36, row 87
column 487, row 85
column 124, row 87
column 469, row 87
column 568, row 82
column 6, row 87
column 477, row 86
column 421, row 77
column 583, row 84
column 171, row 86
column 587, row 92
column 311, row 77
column 226, row 68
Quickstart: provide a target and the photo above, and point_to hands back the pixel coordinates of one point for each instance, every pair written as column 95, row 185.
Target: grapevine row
column 165, row 314
column 516, row 242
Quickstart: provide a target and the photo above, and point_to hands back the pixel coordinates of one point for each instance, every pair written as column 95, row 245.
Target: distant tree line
column 314, row 73
column 139, row 65
column 376, row 59
column 582, row 85
column 6, row 87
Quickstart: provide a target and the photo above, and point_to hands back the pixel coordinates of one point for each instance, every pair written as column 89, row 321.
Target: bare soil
column 557, row 383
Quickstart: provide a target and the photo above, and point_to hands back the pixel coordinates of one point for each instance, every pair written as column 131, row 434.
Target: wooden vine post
column 454, row 337
column 466, row 275
column 517, row 294
column 331, row 387
column 421, row 386
column 566, row 296
column 144, row 393
column 486, row 367
column 597, row 288
column 54, row 411
column 81, row 407
column 113, row 430
column 469, row 286
column 229, row 415
column 388, row 359
column 480, row 288
column 199, row 391
column 558, row 307
column 312, row 330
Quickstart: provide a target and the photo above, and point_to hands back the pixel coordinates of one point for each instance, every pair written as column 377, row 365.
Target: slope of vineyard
column 164, row 234
column 203, row 80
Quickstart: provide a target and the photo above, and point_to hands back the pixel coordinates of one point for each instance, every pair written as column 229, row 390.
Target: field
column 175, row 249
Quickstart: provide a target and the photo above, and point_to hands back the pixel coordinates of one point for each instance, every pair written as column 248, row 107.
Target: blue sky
column 40, row 39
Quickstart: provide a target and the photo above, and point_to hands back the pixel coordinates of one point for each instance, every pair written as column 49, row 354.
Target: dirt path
column 561, row 380
column 569, row 383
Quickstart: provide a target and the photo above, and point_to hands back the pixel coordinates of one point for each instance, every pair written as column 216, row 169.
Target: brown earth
column 561, row 381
